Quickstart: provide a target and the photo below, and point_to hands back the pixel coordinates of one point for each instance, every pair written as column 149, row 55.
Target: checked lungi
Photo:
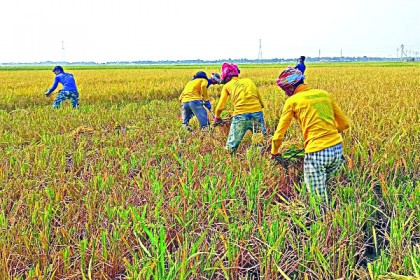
column 321, row 166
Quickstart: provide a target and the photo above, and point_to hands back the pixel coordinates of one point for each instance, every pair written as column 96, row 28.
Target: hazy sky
column 121, row 30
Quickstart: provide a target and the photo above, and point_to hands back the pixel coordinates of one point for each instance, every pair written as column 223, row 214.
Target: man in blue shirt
column 214, row 79
column 301, row 65
column 69, row 90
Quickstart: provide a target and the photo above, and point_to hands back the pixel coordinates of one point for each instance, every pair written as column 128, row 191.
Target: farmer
column 214, row 79
column 321, row 121
column 247, row 102
column 194, row 98
column 69, row 90
column 301, row 65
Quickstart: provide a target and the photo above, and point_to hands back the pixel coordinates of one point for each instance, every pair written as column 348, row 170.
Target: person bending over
column 321, row 121
column 69, row 90
column 248, row 106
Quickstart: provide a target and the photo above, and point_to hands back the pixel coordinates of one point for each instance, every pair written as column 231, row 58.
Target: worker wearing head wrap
column 321, row 121
column 247, row 102
column 193, row 99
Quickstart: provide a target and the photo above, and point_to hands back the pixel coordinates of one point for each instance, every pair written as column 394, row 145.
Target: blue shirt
column 210, row 82
column 67, row 80
column 301, row 67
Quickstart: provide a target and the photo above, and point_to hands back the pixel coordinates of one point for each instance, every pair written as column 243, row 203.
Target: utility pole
column 62, row 52
column 319, row 53
column 260, row 52
column 403, row 54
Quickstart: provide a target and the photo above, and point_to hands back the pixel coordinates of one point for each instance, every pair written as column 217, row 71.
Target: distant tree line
column 219, row 61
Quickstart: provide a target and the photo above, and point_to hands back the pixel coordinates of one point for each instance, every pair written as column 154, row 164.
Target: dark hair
column 302, row 57
column 59, row 68
column 200, row 74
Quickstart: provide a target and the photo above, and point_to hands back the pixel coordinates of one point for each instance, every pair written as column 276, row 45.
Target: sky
column 138, row 30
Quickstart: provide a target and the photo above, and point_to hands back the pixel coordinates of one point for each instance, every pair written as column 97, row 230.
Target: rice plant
column 117, row 189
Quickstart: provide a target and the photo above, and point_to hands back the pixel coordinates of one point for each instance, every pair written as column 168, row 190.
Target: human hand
column 276, row 156
column 207, row 104
column 279, row 159
column 217, row 121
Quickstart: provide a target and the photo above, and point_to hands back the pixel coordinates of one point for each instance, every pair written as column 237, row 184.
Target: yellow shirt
column 244, row 94
column 195, row 90
column 319, row 117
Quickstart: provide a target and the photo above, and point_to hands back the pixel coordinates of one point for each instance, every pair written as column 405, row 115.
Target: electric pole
column 62, row 52
column 403, row 54
column 260, row 52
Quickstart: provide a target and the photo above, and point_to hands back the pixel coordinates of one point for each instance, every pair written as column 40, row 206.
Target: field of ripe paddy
column 117, row 189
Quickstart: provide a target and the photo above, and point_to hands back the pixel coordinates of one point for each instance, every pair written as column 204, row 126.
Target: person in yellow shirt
column 321, row 121
column 193, row 99
column 247, row 102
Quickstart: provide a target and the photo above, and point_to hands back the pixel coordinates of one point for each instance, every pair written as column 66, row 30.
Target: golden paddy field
column 117, row 189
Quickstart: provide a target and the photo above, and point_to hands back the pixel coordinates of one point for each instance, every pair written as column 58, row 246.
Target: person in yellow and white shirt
column 193, row 98
column 321, row 121
column 248, row 106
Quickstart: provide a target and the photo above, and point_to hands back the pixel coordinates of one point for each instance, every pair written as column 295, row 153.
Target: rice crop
column 118, row 189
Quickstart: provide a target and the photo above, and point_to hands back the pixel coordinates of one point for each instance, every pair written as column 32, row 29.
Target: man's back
column 301, row 67
column 319, row 117
column 67, row 80
column 245, row 95
column 194, row 90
